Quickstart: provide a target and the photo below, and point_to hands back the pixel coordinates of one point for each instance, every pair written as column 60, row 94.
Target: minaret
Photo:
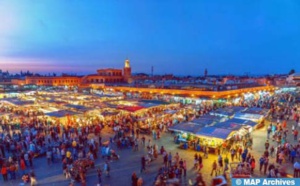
column 127, row 71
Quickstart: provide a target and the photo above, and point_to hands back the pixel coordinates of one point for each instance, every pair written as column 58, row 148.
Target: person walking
column 214, row 168
column 200, row 162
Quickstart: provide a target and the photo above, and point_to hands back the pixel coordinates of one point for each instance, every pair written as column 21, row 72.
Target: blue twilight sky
column 180, row 37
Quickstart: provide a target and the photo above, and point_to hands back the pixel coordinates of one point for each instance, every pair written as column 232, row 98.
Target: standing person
column 252, row 165
column 200, row 162
column 4, row 172
column 165, row 157
column 272, row 151
column 177, row 158
column 232, row 154
column 240, row 152
column 220, row 161
column 296, row 170
column 170, row 159
column 244, row 155
column 269, row 130
column 143, row 162
column 295, row 135
column 26, row 158
column 140, row 181
column 134, row 179
column 267, row 144
column 107, row 169
column 12, row 170
column 22, row 166
column 293, row 154
column 266, row 163
column 33, row 181
column 226, row 160
column 261, row 162
column 30, row 160
column 99, row 175
column 205, row 152
column 214, row 168
column 184, row 168
column 49, row 156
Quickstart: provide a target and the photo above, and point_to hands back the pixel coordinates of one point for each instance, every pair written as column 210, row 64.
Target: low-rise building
column 106, row 76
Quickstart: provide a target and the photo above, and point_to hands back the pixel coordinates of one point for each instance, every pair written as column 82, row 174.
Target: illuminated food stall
column 64, row 116
column 185, row 133
column 213, row 137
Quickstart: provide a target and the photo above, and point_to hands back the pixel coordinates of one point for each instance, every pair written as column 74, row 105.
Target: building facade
column 53, row 80
column 103, row 76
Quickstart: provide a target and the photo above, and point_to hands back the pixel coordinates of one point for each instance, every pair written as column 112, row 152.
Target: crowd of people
column 77, row 148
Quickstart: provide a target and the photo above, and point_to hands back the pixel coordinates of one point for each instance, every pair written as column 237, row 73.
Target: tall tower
column 127, row 71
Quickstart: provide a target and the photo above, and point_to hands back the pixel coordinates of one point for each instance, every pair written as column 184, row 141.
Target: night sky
column 183, row 38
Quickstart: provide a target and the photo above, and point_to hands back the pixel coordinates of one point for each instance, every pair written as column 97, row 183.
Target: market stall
column 227, row 111
column 16, row 101
column 240, row 131
column 251, row 125
column 256, row 110
column 213, row 137
column 213, row 118
column 64, row 116
column 77, row 108
column 185, row 134
column 257, row 118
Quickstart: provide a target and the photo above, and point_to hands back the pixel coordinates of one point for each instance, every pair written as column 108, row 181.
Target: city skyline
column 178, row 38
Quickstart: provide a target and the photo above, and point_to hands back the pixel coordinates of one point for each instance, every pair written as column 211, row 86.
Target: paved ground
column 129, row 162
